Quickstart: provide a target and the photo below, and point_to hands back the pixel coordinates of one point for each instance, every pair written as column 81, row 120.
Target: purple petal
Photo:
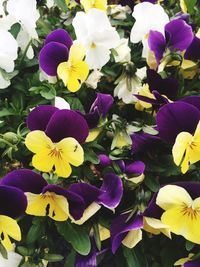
column 193, row 100
column 39, row 117
column 167, row 86
column 51, row 55
column 157, row 44
column 113, row 191
column 89, row 193
column 193, row 51
column 136, row 167
column 60, row 36
column 120, row 228
column 147, row 99
column 26, row 180
column 176, row 117
column 89, row 260
column 76, row 202
column 183, row 16
column 67, row 123
column 103, row 102
column 179, row 34
column 13, row 201
column 121, row 164
column 143, row 141
column 105, row 161
column 92, row 118
column 195, row 263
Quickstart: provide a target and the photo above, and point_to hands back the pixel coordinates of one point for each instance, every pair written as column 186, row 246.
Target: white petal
column 13, row 260
column 61, row 103
column 3, row 84
column 97, row 57
column 108, row 38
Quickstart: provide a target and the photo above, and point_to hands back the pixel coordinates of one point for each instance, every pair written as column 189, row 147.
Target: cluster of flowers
column 156, row 55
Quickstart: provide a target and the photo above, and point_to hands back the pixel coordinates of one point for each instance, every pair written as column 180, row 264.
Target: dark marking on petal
column 2, row 236
column 47, row 209
column 53, row 214
column 75, row 148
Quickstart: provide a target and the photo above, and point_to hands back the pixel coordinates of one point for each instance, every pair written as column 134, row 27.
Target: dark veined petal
column 120, row 228
column 103, row 102
column 167, row 86
column 136, row 167
column 193, row 51
column 76, row 202
column 13, row 201
column 51, row 55
column 67, row 123
column 112, row 188
column 26, row 180
column 39, row 117
column 176, row 117
column 60, row 36
column 157, row 44
column 178, row 34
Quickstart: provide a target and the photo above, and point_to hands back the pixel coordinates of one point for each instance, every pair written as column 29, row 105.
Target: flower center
column 55, row 152
column 93, row 45
column 190, row 212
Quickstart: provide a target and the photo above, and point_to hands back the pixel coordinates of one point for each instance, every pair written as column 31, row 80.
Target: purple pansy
column 121, row 226
column 98, row 109
column 58, row 124
column 161, row 88
column 178, row 36
column 13, row 201
column 55, row 50
column 193, row 51
column 143, row 141
column 195, row 263
column 177, row 117
column 29, row 181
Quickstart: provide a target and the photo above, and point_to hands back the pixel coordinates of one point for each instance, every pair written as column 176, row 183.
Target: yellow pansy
column 181, row 212
column 98, row 4
column 141, row 105
column 186, row 149
column 9, row 228
column 49, row 155
column 48, row 204
column 75, row 70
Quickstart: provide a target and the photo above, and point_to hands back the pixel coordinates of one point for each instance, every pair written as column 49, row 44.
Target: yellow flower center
column 93, row 45
column 191, row 212
column 55, row 152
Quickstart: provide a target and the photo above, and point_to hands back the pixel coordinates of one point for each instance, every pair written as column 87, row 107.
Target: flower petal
column 60, row 36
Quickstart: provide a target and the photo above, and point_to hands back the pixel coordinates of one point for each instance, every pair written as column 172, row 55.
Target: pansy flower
column 54, row 139
column 13, row 204
column 178, row 36
column 188, row 262
column 193, row 51
column 178, row 123
column 59, row 56
column 109, row 195
column 45, row 199
column 96, row 116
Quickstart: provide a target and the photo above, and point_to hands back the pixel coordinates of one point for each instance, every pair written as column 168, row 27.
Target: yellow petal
column 182, row 224
column 9, row 227
column 93, row 134
column 37, row 141
column 89, row 212
column 99, row 4
column 48, row 204
column 81, row 69
column 155, row 226
column 104, row 233
column 185, row 163
column 62, row 168
column 76, row 53
column 170, row 196
column 182, row 141
column 73, row 84
column 63, row 72
column 43, row 161
column 132, row 238
column 72, row 151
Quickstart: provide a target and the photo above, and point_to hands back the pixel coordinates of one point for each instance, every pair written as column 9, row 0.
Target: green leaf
column 15, row 28
column 134, row 258
column 151, row 182
column 34, row 233
column 190, row 5
column 189, row 245
column 70, row 259
column 76, row 235
column 61, row 4
column 53, row 257
column 3, row 251
column 6, row 112
column 75, row 103
column 91, row 156
column 48, row 93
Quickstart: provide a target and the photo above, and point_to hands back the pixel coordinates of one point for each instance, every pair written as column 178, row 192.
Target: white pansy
column 25, row 13
column 148, row 17
column 3, row 82
column 128, row 86
column 12, row 261
column 94, row 31
column 61, row 103
column 50, row 3
column 93, row 79
column 119, row 12
column 123, row 51
column 44, row 77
